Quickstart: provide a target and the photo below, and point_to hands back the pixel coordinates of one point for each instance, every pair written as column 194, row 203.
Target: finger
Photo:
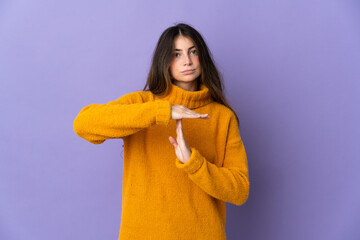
column 205, row 116
column 188, row 113
column 179, row 131
column 193, row 114
column 173, row 141
column 180, row 136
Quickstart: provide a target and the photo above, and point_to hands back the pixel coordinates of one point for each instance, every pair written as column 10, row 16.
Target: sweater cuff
column 193, row 164
column 163, row 112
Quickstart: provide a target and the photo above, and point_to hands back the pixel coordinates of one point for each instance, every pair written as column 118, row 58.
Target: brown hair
column 159, row 77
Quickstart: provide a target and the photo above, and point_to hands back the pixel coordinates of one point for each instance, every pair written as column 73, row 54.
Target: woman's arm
column 122, row 117
column 229, row 183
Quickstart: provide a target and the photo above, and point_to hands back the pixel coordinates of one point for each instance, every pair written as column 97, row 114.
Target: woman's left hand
column 182, row 150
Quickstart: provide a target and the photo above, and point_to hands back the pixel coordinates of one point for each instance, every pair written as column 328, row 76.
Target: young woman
column 174, row 188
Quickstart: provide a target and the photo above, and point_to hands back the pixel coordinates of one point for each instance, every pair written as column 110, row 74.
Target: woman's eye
column 193, row 52
column 176, row 54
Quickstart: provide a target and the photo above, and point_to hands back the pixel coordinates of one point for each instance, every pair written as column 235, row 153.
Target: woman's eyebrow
column 181, row 49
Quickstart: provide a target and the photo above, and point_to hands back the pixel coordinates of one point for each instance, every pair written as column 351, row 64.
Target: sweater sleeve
column 230, row 182
column 120, row 118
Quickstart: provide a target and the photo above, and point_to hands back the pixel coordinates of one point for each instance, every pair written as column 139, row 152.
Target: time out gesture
column 182, row 149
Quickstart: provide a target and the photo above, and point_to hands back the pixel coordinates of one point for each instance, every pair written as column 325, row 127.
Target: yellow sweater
column 162, row 198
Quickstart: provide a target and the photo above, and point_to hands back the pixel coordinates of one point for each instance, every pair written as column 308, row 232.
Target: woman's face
column 185, row 57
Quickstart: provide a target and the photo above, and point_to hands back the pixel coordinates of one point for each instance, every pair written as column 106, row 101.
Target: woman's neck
column 189, row 99
column 188, row 86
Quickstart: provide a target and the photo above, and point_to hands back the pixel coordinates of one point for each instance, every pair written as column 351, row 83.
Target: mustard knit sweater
column 162, row 198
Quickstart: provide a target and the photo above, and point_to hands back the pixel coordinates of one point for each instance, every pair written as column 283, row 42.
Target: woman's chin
column 186, row 79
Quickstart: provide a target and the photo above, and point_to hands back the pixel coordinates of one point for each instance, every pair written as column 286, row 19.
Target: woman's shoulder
column 134, row 97
column 222, row 109
column 223, row 113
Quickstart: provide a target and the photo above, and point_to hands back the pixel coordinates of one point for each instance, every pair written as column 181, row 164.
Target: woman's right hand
column 180, row 111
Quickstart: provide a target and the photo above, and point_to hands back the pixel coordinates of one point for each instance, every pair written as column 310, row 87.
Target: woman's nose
column 188, row 60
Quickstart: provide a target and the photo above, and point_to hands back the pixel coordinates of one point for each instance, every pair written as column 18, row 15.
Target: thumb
column 173, row 141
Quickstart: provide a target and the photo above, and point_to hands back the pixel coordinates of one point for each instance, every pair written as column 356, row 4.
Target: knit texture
column 162, row 198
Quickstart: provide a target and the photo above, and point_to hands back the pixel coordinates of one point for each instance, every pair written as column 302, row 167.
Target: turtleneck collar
column 189, row 99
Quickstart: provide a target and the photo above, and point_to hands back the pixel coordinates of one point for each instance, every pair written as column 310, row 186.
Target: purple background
column 291, row 70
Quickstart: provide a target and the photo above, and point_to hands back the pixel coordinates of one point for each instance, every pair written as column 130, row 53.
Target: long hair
column 159, row 77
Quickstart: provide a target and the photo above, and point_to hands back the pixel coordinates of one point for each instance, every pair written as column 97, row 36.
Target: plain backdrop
column 291, row 71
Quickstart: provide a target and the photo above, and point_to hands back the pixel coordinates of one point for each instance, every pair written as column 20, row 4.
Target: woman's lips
column 188, row 71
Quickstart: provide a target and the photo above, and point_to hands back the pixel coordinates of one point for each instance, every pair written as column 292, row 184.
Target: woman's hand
column 180, row 111
column 182, row 149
